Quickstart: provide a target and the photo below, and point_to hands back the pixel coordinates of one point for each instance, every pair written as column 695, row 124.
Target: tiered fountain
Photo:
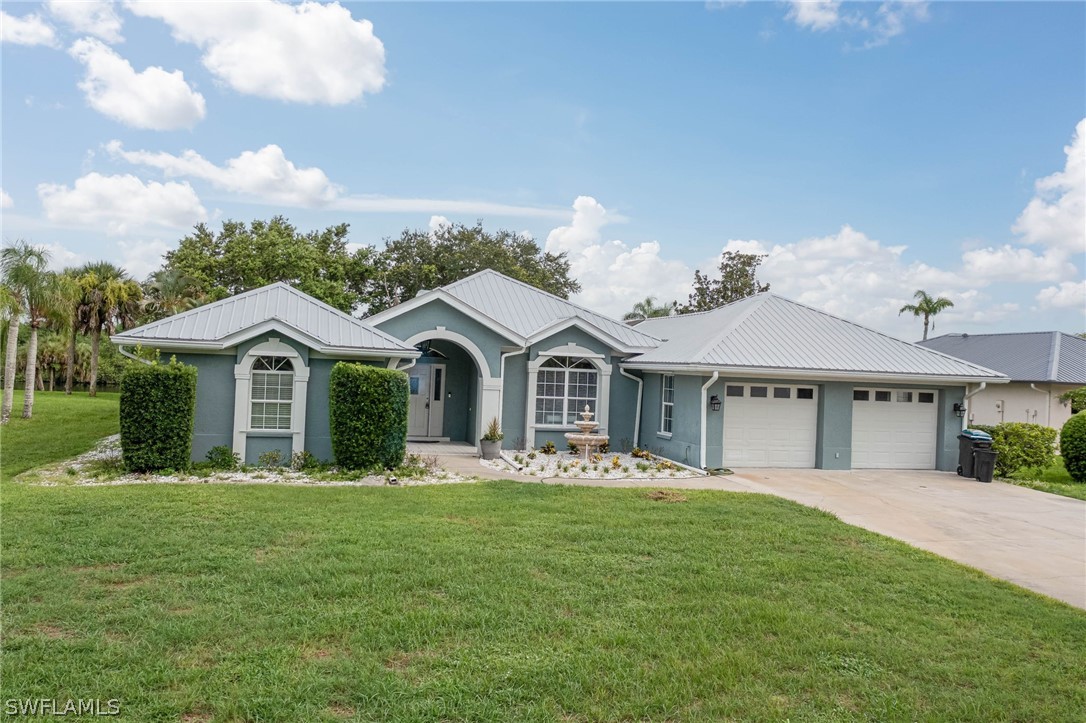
column 587, row 439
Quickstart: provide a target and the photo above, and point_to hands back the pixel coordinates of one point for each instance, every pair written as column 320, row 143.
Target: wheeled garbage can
column 984, row 464
column 969, row 441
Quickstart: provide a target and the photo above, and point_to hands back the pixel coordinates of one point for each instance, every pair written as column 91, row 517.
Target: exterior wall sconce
column 959, row 409
column 714, row 403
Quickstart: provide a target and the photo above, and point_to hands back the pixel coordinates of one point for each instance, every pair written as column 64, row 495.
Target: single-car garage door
column 767, row 425
column 893, row 428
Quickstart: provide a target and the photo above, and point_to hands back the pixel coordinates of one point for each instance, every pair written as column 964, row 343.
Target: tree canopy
column 738, row 280
column 246, row 256
column 419, row 260
column 647, row 308
column 926, row 306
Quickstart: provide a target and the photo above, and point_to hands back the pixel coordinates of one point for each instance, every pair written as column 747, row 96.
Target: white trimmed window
column 564, row 385
column 667, row 403
column 271, row 393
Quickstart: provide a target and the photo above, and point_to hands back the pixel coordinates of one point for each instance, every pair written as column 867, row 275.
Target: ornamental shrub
column 1019, row 445
column 1073, row 446
column 158, row 411
column 367, row 416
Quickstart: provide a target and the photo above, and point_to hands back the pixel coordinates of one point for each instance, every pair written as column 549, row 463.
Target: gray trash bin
column 969, row 441
column 985, row 460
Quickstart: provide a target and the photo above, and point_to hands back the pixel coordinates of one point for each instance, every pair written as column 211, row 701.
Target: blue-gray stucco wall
column 684, row 444
column 437, row 313
column 460, row 389
column 214, row 425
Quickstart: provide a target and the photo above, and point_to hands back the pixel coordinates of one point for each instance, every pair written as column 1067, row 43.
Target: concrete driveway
column 1033, row 539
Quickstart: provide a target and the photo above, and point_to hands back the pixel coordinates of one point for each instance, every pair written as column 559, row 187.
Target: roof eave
column 813, row 374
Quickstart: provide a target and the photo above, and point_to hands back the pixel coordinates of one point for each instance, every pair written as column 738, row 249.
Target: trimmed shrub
column 222, row 457
column 1019, row 445
column 1073, row 446
column 158, row 412
column 367, row 416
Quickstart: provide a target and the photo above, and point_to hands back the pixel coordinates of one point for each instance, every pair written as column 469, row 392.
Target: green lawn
column 499, row 602
column 1054, row 479
column 62, row 427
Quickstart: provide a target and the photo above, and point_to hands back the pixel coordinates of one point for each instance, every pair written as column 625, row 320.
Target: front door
column 426, row 410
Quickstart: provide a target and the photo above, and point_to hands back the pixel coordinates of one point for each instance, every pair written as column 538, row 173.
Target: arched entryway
column 445, row 385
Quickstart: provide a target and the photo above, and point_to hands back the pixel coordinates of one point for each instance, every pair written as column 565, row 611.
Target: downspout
column 131, row 356
column 410, row 363
column 1048, row 404
column 969, row 395
column 637, row 415
column 704, row 414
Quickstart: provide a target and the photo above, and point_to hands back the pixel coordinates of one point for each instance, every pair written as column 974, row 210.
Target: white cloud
column 26, row 30
column 5, row 199
column 437, row 222
column 142, row 257
column 265, row 174
column 61, row 257
column 306, row 53
column 1056, row 216
column 154, row 98
column 1068, row 295
column 815, row 14
column 386, row 204
column 891, row 18
column 1014, row 263
column 89, row 17
column 121, row 204
column 614, row 275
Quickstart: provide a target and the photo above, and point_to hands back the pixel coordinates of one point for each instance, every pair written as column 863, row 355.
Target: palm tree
column 647, row 309
column 170, row 291
column 73, row 293
column 110, row 298
column 52, row 350
column 25, row 271
column 926, row 307
column 11, row 309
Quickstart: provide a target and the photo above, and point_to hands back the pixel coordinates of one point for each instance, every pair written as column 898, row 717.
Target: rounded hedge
column 367, row 416
column 1073, row 446
column 158, row 411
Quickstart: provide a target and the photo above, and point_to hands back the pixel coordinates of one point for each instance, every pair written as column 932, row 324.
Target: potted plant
column 491, row 443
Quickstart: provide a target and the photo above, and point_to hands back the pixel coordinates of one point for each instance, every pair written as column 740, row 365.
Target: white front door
column 894, row 428
column 770, row 425
column 426, row 408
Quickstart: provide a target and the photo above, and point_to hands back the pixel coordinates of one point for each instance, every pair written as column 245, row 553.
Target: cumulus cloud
column 306, row 53
column 889, row 20
column 437, row 222
column 61, row 257
column 26, row 30
column 89, row 17
column 142, row 257
column 265, row 174
column 121, row 204
column 615, row 275
column 5, row 199
column 1067, row 295
column 1014, row 263
column 154, row 98
column 1056, row 216
column 815, row 14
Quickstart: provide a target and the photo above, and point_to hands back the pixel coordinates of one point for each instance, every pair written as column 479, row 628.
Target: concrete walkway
column 1031, row 538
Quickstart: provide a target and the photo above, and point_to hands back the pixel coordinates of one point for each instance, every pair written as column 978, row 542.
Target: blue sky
column 869, row 149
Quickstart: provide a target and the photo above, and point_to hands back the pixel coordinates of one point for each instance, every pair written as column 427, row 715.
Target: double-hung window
column 564, row 385
column 667, row 403
column 271, row 393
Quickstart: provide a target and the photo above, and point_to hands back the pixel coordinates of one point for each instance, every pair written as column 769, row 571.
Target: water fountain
column 587, row 439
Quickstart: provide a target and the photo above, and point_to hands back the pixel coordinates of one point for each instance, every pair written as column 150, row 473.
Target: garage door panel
column 770, row 432
column 896, row 434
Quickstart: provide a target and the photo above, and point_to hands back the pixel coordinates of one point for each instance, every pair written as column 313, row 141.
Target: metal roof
column 529, row 311
column 767, row 331
column 1032, row 356
column 218, row 321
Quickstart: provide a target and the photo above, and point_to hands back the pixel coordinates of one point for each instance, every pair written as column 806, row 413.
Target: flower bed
column 637, row 465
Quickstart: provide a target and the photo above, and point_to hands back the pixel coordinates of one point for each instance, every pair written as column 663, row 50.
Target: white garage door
column 769, row 425
column 893, row 428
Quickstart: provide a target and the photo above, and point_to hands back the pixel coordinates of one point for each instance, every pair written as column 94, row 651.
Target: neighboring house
column 263, row 360
column 1041, row 365
column 763, row 382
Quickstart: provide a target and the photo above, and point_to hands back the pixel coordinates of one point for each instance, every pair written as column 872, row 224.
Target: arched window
column 271, row 393
column 564, row 385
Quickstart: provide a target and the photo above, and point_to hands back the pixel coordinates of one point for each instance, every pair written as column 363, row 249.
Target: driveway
column 1033, row 539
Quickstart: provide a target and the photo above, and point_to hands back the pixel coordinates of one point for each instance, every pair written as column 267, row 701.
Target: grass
column 507, row 601
column 1053, row 479
column 62, row 427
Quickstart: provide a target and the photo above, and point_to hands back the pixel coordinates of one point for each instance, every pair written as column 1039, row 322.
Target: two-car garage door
column 769, row 425
column 893, row 428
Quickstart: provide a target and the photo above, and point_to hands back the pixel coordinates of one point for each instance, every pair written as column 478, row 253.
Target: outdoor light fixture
column 714, row 403
column 959, row 409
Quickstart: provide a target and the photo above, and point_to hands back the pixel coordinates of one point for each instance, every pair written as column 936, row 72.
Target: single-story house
column 263, row 359
column 1041, row 366
column 762, row 382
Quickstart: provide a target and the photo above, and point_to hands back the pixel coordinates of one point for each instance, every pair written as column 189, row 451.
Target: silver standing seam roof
column 211, row 324
column 526, row 310
column 1032, row 356
column 767, row 331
